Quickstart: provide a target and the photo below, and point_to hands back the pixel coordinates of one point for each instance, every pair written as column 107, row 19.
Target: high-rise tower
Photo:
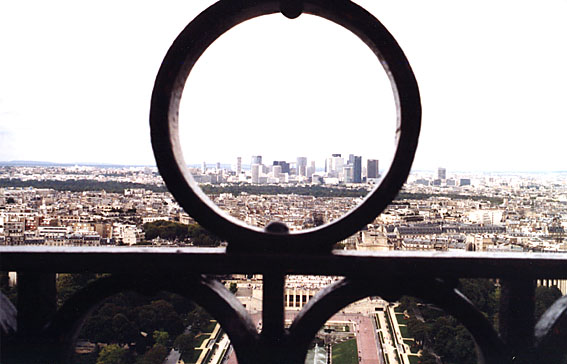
column 238, row 165
column 283, row 164
column 255, row 172
column 302, row 166
column 441, row 173
column 357, row 169
column 372, row 170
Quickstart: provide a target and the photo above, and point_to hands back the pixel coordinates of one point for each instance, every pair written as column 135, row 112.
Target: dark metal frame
column 47, row 335
column 170, row 81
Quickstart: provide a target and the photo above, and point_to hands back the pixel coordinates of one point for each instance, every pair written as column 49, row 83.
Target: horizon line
column 32, row 163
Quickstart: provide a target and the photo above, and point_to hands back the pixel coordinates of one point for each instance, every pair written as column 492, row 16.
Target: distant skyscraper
column 348, row 171
column 302, row 166
column 283, row 164
column 255, row 171
column 256, row 159
column 204, row 167
column 357, row 169
column 337, row 163
column 372, row 170
column 218, row 166
column 277, row 170
column 311, row 169
column 441, row 173
column 238, row 165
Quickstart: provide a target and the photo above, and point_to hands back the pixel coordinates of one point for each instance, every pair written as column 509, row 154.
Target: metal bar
column 516, row 318
column 36, row 306
column 272, row 306
column 36, row 301
column 215, row 261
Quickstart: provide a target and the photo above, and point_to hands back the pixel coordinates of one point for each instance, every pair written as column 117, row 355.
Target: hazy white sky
column 76, row 80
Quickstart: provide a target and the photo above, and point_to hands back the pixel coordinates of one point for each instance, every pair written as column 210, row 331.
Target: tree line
column 315, row 191
column 452, row 196
column 234, row 189
column 80, row 185
column 171, row 230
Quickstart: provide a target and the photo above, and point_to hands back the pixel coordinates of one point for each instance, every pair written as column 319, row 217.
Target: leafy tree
column 80, row 185
column 68, row 284
column 443, row 334
column 165, row 229
column 198, row 319
column 156, row 355
column 316, row 191
column 159, row 315
column 419, row 330
column 124, row 331
column 111, row 354
column 161, row 337
column 202, row 237
column 185, row 343
column 233, row 288
column 171, row 230
column 544, row 298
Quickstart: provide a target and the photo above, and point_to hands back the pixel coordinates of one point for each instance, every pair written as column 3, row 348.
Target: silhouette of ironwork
column 45, row 334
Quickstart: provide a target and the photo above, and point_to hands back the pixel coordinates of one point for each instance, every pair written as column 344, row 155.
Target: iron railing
column 46, row 334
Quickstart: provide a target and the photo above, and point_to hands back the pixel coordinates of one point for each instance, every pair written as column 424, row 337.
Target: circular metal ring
column 166, row 96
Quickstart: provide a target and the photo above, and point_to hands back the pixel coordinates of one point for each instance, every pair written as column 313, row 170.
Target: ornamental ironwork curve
column 275, row 252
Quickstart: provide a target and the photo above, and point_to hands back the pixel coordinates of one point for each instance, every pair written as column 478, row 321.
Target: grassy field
column 404, row 331
column 401, row 318
column 345, row 352
column 191, row 357
column 200, row 338
column 210, row 327
column 413, row 359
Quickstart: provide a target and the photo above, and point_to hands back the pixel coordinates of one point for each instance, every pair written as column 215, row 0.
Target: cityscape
column 337, row 170
column 440, row 210
column 292, row 121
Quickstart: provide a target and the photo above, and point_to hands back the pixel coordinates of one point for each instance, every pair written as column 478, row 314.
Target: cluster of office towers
column 336, row 167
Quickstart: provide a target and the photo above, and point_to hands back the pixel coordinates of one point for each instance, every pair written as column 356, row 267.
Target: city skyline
column 488, row 105
column 432, row 170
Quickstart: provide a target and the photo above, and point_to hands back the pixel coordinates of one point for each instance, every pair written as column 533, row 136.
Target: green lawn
column 404, row 331
column 413, row 359
column 210, row 327
column 191, row 357
column 401, row 318
column 345, row 352
column 199, row 339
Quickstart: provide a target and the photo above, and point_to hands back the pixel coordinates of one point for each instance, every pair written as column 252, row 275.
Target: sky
column 76, row 80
